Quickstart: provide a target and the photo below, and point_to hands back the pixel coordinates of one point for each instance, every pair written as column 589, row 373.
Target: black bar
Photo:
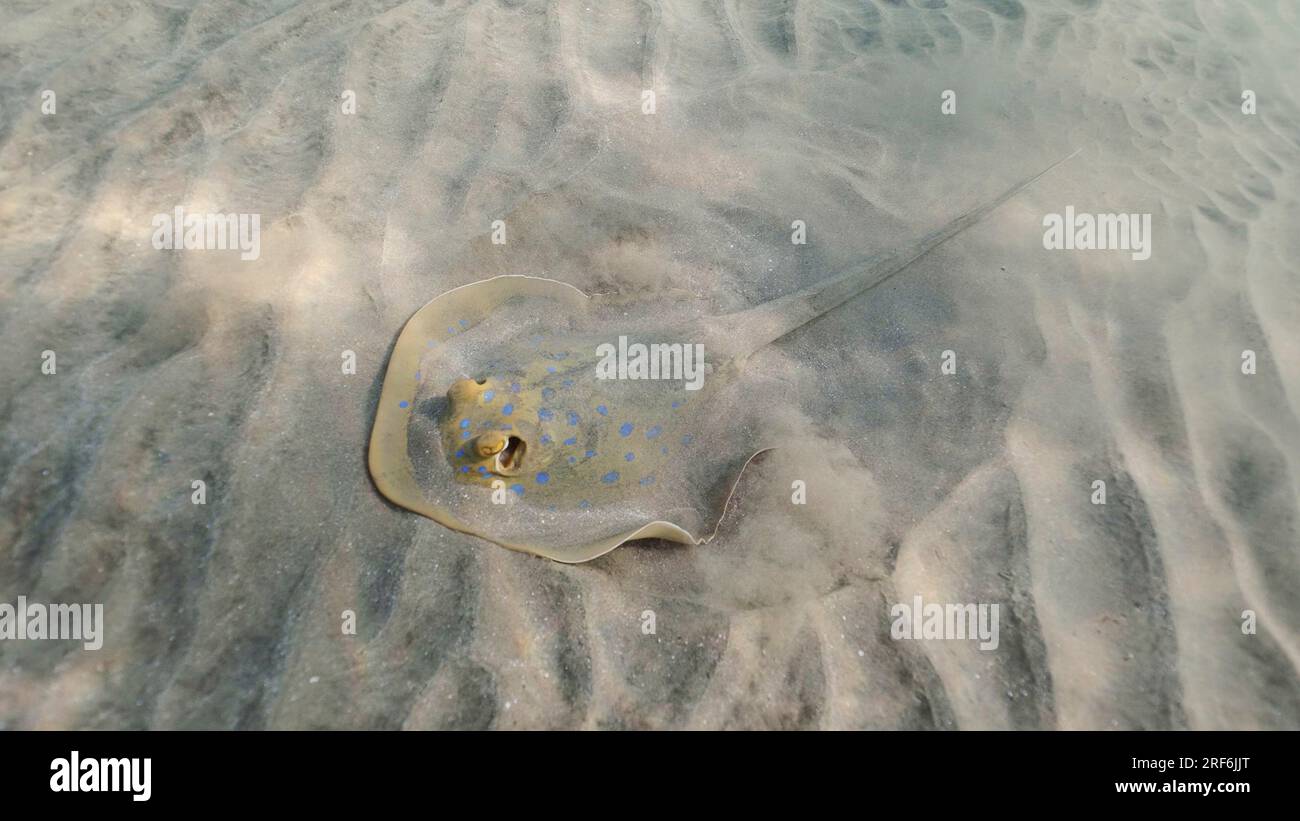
column 330, row 770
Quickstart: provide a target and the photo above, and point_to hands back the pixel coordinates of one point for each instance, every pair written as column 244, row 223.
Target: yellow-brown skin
column 490, row 447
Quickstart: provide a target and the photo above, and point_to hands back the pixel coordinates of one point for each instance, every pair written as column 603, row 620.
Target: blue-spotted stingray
column 497, row 417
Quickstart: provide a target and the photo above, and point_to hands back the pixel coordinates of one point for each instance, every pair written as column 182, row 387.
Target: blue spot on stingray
column 464, row 434
column 514, row 387
column 591, row 453
column 629, row 456
column 573, row 418
column 403, row 404
column 545, row 414
column 546, row 439
column 572, row 459
column 571, row 441
column 548, row 393
column 507, row 410
column 626, row 429
column 649, row 480
column 518, row 489
column 543, row 478
column 663, row 450
column 584, row 504
column 676, row 405
column 687, row 439
column 464, row 423
column 654, row 432
column 610, row 478
column 464, row 468
column 451, row 330
column 417, row 376
column 460, row 454
column 568, row 383
column 488, row 396
column 551, row 369
column 482, row 471
column 602, row 410
column 464, row 324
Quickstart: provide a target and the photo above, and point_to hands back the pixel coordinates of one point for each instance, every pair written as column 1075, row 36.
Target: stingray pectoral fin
column 661, row 529
column 576, row 554
column 459, row 309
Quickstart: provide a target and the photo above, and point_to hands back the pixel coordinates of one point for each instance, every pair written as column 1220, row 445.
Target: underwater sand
column 1072, row 366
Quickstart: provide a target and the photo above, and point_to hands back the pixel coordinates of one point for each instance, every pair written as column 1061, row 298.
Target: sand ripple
column 975, row 487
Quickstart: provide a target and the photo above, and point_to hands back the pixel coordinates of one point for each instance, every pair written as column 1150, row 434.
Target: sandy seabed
column 1072, row 366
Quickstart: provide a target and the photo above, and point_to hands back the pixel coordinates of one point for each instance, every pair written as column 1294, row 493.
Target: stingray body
column 504, row 413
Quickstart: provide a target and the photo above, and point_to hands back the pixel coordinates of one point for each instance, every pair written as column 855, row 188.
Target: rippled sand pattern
column 1072, row 366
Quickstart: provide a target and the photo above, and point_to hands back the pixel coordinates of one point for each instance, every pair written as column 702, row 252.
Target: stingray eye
column 509, row 451
column 490, row 443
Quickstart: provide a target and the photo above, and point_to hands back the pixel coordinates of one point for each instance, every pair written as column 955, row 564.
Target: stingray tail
column 752, row 329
